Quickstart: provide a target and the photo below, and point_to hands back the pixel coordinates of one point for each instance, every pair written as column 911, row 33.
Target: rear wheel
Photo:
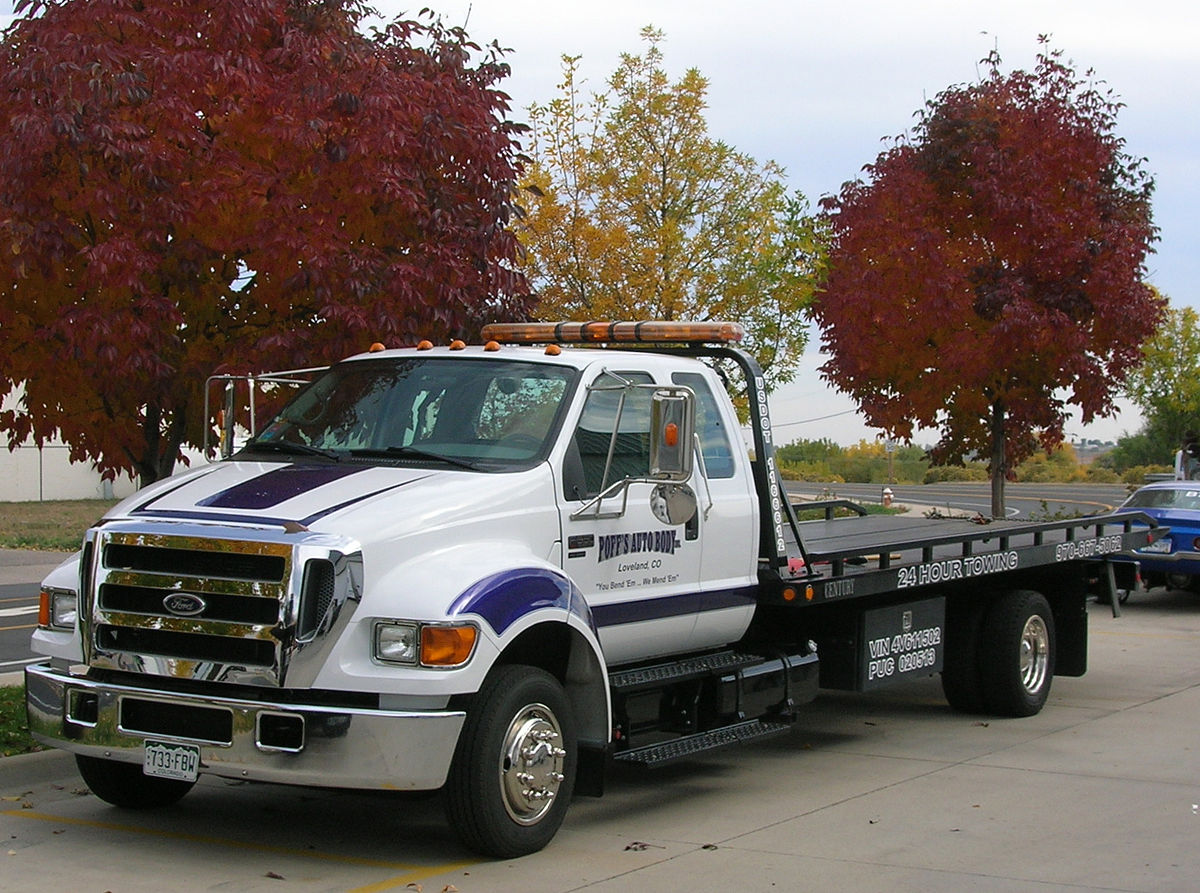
column 124, row 784
column 514, row 767
column 1017, row 650
column 961, row 680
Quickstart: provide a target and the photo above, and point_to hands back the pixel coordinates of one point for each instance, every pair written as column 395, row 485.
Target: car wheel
column 1179, row 581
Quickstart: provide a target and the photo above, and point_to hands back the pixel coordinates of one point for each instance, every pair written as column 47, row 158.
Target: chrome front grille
column 224, row 610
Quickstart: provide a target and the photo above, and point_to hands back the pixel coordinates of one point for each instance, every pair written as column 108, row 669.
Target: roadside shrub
column 1098, row 474
column 1136, row 476
column 943, row 474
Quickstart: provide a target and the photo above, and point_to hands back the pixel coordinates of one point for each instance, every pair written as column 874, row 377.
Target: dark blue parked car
column 1174, row 559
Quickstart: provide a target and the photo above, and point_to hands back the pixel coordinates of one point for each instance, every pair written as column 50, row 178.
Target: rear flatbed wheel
column 961, row 680
column 1017, row 649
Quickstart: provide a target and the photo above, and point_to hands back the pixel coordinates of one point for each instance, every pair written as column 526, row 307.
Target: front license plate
column 178, row 761
column 1161, row 546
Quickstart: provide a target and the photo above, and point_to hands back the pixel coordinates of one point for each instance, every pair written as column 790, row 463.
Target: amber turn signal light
column 447, row 646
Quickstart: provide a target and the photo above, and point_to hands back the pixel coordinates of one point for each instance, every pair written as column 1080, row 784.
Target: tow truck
column 499, row 569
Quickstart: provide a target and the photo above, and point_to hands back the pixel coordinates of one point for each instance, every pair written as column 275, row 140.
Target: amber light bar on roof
column 602, row 332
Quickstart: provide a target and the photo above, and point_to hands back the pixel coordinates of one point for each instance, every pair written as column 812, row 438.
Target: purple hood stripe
column 260, row 519
column 274, row 487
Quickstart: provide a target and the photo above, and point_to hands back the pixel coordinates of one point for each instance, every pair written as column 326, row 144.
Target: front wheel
column 124, row 784
column 514, row 767
column 1017, row 651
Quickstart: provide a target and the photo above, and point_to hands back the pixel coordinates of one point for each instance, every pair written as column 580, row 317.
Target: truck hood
column 295, row 496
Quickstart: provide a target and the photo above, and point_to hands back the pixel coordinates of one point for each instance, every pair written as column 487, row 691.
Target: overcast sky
column 817, row 86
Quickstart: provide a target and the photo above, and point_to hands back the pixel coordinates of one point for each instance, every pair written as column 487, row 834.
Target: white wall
column 29, row 474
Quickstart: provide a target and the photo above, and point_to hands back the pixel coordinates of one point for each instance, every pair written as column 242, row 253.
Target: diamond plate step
column 654, row 755
column 677, row 671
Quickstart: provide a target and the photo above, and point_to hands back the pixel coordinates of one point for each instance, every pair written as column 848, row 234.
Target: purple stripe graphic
column 278, row 486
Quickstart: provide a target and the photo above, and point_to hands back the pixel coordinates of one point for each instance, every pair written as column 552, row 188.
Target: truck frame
column 625, row 588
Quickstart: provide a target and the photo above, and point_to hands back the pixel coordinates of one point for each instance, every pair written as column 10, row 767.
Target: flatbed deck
column 850, row 557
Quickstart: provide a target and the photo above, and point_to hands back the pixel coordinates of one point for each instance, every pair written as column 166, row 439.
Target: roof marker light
column 424, row 345
column 457, row 345
column 623, row 332
column 376, row 348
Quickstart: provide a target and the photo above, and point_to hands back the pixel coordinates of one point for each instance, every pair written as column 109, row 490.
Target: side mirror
column 672, row 423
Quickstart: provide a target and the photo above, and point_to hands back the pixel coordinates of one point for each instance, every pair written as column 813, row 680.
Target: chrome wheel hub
column 531, row 767
column 1035, row 654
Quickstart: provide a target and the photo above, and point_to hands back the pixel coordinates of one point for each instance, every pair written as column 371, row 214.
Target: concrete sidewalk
column 28, row 566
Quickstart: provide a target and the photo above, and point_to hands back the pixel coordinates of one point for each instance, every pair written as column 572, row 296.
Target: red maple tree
column 192, row 187
column 989, row 273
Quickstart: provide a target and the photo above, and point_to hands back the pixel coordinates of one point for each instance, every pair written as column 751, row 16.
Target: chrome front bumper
column 253, row 740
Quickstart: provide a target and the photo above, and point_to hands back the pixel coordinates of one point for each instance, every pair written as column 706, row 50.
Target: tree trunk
column 160, row 448
column 999, row 466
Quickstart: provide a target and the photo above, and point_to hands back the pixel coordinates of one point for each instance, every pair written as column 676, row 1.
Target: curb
column 20, row 773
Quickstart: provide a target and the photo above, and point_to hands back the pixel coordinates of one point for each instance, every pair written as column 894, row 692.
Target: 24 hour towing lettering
column 956, row 569
column 399, row 592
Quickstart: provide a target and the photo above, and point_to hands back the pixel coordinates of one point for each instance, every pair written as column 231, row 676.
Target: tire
column 1017, row 651
column 1178, row 581
column 514, row 768
column 125, row 785
column 962, row 683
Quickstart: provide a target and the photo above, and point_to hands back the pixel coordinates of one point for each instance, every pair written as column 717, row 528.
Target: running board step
column 626, row 681
column 655, row 755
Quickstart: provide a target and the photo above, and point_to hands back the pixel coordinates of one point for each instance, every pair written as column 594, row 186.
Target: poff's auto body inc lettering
column 957, row 569
column 1099, row 545
column 614, row 545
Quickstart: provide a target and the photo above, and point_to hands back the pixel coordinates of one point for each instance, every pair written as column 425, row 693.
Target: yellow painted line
column 413, row 876
column 26, row 626
column 412, row 872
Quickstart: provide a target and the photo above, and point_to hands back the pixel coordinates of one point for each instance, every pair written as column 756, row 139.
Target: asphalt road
column 20, row 573
column 18, row 617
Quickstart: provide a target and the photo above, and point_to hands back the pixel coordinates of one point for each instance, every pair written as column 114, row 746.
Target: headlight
column 427, row 645
column 58, row 609
column 396, row 643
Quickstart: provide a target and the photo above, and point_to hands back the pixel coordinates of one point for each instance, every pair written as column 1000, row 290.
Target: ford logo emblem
column 184, row 604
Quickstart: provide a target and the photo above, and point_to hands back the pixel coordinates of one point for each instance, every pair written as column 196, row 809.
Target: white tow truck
column 496, row 569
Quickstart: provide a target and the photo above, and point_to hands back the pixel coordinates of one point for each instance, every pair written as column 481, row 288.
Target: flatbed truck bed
column 841, row 558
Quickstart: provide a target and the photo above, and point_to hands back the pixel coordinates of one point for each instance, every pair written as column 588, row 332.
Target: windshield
column 476, row 413
column 1166, row 498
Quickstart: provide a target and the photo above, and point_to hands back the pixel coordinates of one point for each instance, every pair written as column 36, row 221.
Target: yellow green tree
column 1167, row 383
column 634, row 211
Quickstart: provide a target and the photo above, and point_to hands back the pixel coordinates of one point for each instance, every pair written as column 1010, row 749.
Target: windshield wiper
column 291, row 448
column 416, row 453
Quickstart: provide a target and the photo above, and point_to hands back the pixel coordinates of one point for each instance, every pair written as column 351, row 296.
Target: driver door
column 638, row 574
